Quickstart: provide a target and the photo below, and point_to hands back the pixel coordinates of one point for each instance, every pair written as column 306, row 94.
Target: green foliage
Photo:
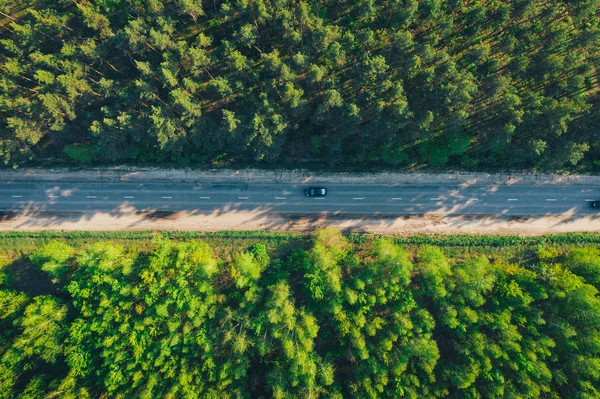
column 245, row 269
column 434, row 271
column 359, row 317
column 585, row 262
column 4, row 261
column 167, row 295
column 494, row 84
column 198, row 254
column 259, row 251
column 52, row 258
column 324, row 274
column 80, row 153
column 43, row 329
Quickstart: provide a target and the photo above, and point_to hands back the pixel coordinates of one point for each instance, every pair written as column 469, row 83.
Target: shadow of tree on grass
column 24, row 276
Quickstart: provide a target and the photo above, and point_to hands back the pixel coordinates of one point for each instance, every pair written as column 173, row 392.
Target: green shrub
column 80, row 153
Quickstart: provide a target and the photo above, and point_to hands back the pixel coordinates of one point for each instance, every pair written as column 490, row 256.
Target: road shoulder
column 287, row 176
column 184, row 221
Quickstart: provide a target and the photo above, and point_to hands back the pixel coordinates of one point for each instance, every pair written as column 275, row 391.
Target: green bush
column 80, row 153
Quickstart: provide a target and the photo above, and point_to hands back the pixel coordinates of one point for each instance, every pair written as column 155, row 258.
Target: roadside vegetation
column 470, row 84
column 321, row 316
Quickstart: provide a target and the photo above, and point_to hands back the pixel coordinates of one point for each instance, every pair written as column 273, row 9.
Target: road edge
column 289, row 176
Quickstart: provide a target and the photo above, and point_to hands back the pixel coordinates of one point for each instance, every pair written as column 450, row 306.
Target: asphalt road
column 513, row 200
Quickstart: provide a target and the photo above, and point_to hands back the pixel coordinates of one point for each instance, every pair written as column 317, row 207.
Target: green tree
column 53, row 258
column 44, row 329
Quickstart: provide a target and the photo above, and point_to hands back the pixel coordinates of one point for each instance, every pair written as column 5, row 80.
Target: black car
column 595, row 204
column 315, row 192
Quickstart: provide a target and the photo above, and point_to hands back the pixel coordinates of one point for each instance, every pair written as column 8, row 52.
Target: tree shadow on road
column 451, row 215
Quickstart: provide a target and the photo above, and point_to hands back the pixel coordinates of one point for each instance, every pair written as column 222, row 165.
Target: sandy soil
column 257, row 221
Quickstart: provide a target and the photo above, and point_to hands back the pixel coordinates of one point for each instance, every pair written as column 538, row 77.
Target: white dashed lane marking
column 317, row 198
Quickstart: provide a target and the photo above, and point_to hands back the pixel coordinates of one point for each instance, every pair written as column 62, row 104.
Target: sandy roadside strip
column 259, row 221
column 255, row 221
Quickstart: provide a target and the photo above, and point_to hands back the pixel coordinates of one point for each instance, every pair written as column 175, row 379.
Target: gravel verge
column 251, row 175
